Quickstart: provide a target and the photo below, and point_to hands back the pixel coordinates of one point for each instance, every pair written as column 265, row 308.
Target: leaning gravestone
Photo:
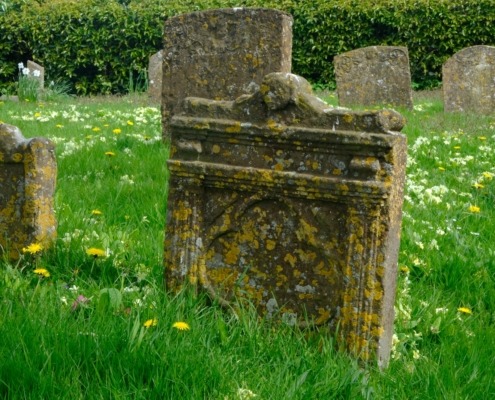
column 278, row 197
column 222, row 53
column 40, row 75
column 469, row 80
column 27, row 183
column 376, row 75
column 155, row 70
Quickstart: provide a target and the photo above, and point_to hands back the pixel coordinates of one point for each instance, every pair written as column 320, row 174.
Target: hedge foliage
column 100, row 46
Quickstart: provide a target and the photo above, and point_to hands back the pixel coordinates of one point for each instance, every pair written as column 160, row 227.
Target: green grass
column 53, row 346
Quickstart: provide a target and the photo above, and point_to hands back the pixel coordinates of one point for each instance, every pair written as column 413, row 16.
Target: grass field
column 87, row 327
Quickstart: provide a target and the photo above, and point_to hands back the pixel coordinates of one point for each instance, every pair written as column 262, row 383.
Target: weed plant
column 89, row 319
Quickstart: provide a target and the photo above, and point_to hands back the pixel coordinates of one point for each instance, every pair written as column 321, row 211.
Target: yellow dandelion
column 478, row 185
column 482, row 137
column 117, row 131
column 96, row 129
column 89, row 137
column 488, row 175
column 42, row 272
column 474, row 209
column 96, row 253
column 130, row 123
column 33, row 248
column 181, row 326
column 110, row 153
column 464, row 310
column 457, row 147
column 441, row 169
column 96, row 212
column 404, row 269
column 59, row 126
column 150, row 322
column 37, row 114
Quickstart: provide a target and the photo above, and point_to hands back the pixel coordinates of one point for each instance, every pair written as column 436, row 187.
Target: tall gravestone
column 41, row 72
column 27, row 183
column 469, row 80
column 376, row 75
column 222, row 54
column 155, row 70
column 277, row 197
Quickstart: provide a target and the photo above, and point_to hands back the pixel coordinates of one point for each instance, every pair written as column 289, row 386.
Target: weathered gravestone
column 277, row 197
column 27, row 182
column 469, row 80
column 155, row 70
column 39, row 75
column 222, row 54
column 376, row 75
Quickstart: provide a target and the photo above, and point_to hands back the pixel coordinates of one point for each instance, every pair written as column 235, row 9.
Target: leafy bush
column 101, row 46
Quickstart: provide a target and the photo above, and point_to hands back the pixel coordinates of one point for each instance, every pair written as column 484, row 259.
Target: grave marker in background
column 40, row 75
column 155, row 71
column 468, row 79
column 27, row 183
column 278, row 197
column 222, row 53
column 376, row 75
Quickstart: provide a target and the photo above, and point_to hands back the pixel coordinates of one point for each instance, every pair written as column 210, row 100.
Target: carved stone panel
column 376, row 75
column 27, row 183
column 469, row 80
column 278, row 198
column 222, row 54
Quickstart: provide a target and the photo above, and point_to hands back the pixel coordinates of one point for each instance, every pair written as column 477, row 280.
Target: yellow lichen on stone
column 236, row 128
column 215, row 149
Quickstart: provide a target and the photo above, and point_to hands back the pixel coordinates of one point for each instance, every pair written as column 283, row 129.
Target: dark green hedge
column 100, row 45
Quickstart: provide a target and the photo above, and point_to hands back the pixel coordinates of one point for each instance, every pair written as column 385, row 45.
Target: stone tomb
column 468, row 79
column 376, row 75
column 27, row 183
column 155, row 70
column 295, row 205
column 222, row 54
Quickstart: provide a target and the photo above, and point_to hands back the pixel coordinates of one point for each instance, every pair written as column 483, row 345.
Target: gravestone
column 41, row 72
column 155, row 70
column 469, row 80
column 222, row 54
column 279, row 198
column 376, row 75
column 27, row 183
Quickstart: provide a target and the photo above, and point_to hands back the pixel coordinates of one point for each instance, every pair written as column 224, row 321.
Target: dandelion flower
column 478, row 185
column 110, row 153
column 488, row 175
column 96, row 212
column 181, row 326
column 37, row 115
column 42, row 272
column 482, row 137
column 96, row 129
column 33, row 248
column 474, row 209
column 457, row 147
column 441, row 169
column 130, row 123
column 59, row 126
column 96, row 253
column 464, row 310
column 117, row 131
column 150, row 322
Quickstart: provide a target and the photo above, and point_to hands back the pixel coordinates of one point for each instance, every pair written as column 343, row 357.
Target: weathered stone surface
column 222, row 54
column 376, row 75
column 36, row 67
column 279, row 197
column 155, row 71
column 469, row 80
column 27, row 183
